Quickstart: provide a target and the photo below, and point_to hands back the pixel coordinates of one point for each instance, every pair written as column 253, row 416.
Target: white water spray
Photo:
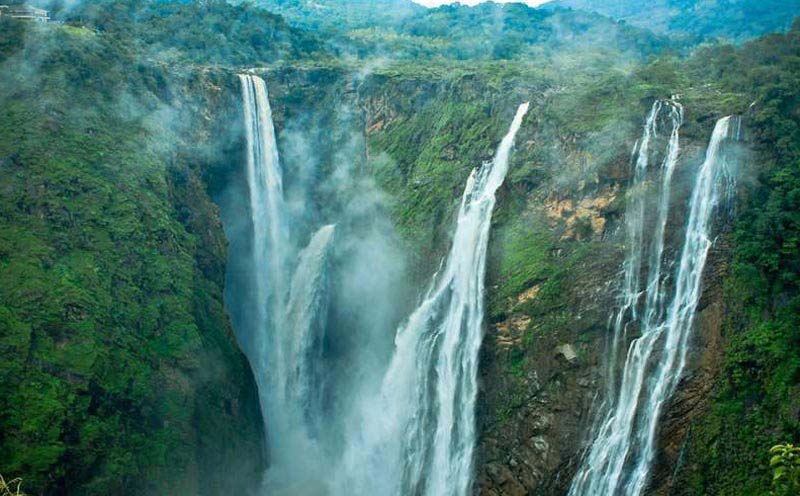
column 307, row 315
column 621, row 456
column 418, row 438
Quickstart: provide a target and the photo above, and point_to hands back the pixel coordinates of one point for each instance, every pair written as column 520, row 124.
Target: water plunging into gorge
column 419, row 434
column 414, row 432
column 270, row 240
column 291, row 291
column 621, row 455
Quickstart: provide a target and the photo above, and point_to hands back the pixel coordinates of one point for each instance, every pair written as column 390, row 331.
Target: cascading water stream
column 307, row 316
column 420, row 434
column 270, row 238
column 634, row 227
column 290, row 319
column 620, row 458
column 714, row 176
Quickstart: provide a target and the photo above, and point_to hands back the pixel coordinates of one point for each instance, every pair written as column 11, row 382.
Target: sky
column 434, row 3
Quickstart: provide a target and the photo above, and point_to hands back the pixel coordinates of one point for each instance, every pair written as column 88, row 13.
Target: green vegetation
column 493, row 31
column 208, row 32
column 428, row 175
column 785, row 464
column 336, row 15
column 759, row 387
column 736, row 20
column 120, row 373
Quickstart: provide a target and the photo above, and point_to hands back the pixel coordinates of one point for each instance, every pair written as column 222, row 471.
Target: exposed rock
column 510, row 331
column 567, row 352
column 704, row 362
column 582, row 218
column 538, row 429
column 529, row 294
column 538, row 419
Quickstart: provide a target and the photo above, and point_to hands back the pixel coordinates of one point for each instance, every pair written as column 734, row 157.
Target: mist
column 323, row 159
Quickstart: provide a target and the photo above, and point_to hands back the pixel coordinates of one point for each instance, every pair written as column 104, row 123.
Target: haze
column 436, row 3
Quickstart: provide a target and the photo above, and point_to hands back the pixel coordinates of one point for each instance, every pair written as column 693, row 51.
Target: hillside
column 117, row 350
column 209, row 32
column 493, row 31
column 342, row 15
column 734, row 20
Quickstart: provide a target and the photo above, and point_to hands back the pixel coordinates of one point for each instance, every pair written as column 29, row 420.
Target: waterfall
column 270, row 238
column 418, row 438
column 291, row 307
column 307, row 315
column 634, row 227
column 620, row 458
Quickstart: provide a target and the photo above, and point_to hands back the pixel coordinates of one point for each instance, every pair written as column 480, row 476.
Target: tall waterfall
column 418, row 438
column 635, row 220
column 291, row 306
column 270, row 238
column 620, row 458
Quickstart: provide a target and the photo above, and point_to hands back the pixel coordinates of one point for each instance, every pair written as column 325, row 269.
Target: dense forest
column 129, row 355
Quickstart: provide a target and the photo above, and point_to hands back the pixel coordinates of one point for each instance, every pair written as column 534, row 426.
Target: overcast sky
column 434, row 3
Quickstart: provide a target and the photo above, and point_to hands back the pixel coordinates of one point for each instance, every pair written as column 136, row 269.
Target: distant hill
column 241, row 34
column 503, row 31
column 342, row 15
column 730, row 19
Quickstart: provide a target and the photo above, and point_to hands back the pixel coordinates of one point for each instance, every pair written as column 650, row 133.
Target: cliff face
column 556, row 255
column 545, row 362
column 117, row 351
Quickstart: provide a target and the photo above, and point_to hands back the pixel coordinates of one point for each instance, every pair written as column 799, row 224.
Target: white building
column 24, row 12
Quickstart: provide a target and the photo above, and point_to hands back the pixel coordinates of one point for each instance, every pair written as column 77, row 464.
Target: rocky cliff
column 556, row 253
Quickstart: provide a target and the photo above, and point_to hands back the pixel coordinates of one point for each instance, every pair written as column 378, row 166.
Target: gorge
column 311, row 249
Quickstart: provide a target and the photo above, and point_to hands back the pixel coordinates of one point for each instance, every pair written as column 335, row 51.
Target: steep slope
column 731, row 19
column 556, row 253
column 117, row 351
column 755, row 398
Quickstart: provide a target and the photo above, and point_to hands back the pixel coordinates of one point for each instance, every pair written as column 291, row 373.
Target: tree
column 785, row 463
